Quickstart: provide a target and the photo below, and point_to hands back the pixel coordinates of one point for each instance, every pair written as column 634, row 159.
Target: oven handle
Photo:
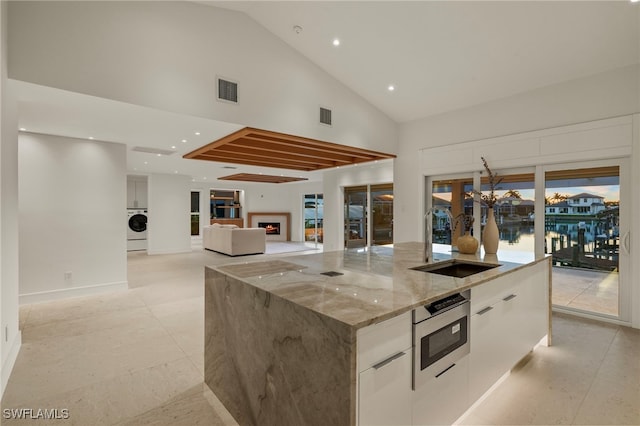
column 389, row 360
column 445, row 370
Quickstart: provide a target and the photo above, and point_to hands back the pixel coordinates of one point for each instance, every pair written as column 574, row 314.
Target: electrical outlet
column 68, row 275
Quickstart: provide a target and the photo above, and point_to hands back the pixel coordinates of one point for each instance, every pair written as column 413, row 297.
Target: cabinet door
column 141, row 194
column 385, row 392
column 488, row 341
column 443, row 399
column 131, row 194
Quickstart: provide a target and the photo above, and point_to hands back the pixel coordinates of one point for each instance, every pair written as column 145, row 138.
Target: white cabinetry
column 509, row 316
column 444, row 398
column 385, row 368
column 136, row 193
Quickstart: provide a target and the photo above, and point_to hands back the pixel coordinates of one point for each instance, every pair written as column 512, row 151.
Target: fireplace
column 271, row 228
column 276, row 224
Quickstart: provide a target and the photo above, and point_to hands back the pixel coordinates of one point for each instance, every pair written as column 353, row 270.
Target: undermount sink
column 455, row 268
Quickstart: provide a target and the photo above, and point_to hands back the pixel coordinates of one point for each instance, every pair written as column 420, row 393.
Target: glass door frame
column 624, row 261
column 428, row 199
column 316, row 197
column 195, row 213
column 624, row 164
column 368, row 211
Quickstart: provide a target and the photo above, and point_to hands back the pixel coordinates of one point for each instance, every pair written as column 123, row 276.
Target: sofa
column 234, row 241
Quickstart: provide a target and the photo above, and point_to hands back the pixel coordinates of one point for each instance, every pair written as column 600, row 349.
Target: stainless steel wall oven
column 440, row 336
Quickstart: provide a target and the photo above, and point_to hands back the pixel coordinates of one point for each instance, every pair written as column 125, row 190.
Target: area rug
column 279, row 247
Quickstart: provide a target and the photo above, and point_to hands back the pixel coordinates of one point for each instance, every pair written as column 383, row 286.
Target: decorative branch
column 465, row 220
column 489, row 199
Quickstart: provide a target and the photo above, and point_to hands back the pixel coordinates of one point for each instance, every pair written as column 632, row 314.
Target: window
column 195, row 213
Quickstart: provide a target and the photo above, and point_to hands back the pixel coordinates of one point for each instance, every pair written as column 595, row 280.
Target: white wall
column 264, row 197
column 610, row 94
column 169, row 212
column 72, row 217
column 10, row 337
column 167, row 55
column 334, row 182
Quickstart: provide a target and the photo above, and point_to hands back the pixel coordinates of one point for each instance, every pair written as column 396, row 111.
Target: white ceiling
column 447, row 55
column 440, row 56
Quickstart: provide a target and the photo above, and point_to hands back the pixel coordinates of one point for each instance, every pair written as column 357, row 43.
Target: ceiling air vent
column 152, row 150
column 325, row 116
column 227, row 90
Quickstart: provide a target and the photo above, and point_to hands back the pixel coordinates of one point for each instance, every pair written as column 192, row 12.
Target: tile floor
column 136, row 358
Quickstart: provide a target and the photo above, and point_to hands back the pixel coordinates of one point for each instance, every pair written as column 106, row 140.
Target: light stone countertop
column 375, row 285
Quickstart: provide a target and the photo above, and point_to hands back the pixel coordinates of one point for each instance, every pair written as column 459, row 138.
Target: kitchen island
column 287, row 339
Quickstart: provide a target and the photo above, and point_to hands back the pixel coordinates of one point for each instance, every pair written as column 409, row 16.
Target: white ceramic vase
column 490, row 235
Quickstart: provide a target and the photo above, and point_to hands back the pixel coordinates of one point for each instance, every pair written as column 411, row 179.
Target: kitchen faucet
column 428, row 230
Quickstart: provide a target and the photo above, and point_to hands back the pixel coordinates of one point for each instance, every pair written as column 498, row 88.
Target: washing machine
column 136, row 229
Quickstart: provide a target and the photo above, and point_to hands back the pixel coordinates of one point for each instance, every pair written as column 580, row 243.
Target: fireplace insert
column 271, row 228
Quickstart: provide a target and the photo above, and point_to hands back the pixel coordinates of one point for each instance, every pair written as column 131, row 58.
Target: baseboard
column 64, row 293
column 12, row 356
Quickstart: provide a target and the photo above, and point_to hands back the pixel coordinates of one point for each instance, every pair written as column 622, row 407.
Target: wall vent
column 227, row 90
column 325, row 116
column 150, row 150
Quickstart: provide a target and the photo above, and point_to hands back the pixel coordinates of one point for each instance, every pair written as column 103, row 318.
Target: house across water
column 580, row 204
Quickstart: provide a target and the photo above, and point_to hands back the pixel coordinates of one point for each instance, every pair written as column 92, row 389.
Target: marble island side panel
column 268, row 359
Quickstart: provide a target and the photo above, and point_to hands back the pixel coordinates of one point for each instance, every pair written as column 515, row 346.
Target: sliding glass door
column 355, row 216
column 514, row 210
column 361, row 203
column 585, row 235
column 313, row 215
column 382, row 214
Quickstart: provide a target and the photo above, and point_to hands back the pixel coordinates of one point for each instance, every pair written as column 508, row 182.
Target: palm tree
column 557, row 197
column 513, row 193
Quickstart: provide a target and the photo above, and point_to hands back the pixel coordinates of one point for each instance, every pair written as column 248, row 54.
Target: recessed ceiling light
column 91, row 138
column 22, row 129
column 146, row 162
column 391, row 88
column 159, row 155
column 197, row 133
column 173, row 147
column 184, row 141
column 635, row 1
column 336, row 42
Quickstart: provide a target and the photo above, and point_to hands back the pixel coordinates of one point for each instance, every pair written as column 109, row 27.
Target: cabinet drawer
column 492, row 292
column 385, row 393
column 378, row 342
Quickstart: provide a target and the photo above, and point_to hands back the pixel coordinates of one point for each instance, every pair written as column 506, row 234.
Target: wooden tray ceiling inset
column 257, row 147
column 252, row 177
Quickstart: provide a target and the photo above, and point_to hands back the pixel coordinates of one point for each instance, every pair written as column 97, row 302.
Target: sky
column 609, row 192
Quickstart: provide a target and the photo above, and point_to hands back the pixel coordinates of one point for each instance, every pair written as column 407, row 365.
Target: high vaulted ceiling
column 439, row 55
column 447, row 55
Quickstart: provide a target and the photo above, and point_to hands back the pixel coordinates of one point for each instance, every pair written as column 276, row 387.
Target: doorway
column 586, row 236
column 362, row 202
column 313, row 218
